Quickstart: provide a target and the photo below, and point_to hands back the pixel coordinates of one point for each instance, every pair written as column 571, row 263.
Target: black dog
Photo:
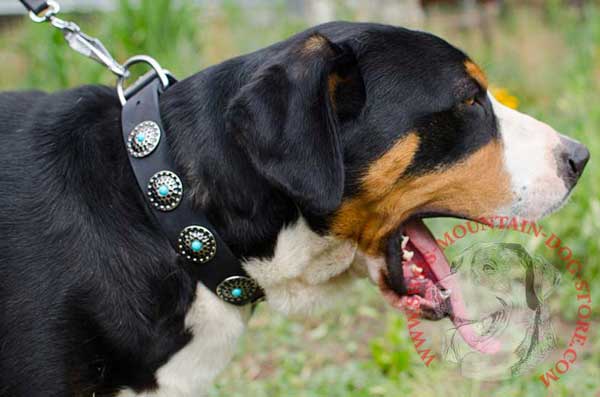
column 307, row 156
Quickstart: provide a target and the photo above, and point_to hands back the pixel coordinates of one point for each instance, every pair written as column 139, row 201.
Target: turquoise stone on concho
column 163, row 191
column 196, row 245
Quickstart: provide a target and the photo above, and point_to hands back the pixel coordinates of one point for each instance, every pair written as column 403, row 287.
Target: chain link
column 93, row 48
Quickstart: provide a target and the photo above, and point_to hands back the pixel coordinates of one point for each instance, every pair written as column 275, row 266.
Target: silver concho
column 165, row 190
column 238, row 290
column 143, row 139
column 197, row 244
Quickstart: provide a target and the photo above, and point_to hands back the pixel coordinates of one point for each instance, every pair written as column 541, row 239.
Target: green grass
column 550, row 60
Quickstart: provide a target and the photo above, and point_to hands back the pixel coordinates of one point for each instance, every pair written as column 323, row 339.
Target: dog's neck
column 243, row 207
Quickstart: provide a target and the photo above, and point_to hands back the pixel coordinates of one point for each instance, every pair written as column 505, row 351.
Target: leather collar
column 190, row 233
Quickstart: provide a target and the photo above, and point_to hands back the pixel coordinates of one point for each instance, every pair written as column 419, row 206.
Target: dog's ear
column 286, row 120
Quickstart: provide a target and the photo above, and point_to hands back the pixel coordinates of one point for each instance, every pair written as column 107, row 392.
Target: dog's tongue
column 423, row 240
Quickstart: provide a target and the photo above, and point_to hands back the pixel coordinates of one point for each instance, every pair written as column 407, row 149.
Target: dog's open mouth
column 418, row 280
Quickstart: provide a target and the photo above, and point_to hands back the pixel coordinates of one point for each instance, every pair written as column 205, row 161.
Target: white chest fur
column 305, row 272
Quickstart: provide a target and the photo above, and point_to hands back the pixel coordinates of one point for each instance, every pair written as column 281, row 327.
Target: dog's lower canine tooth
column 404, row 242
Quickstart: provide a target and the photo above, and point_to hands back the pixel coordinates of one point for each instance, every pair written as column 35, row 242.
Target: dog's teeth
column 407, row 255
column 404, row 242
column 421, row 276
column 416, row 269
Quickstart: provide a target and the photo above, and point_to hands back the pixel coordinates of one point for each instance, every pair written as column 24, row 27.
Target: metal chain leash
column 91, row 47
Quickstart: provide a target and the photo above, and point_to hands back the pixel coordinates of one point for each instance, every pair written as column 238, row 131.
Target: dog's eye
column 470, row 101
column 489, row 269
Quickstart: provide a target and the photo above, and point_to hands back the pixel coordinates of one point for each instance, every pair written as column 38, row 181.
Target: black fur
column 92, row 296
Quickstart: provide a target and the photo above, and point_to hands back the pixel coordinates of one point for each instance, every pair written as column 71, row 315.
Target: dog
column 312, row 158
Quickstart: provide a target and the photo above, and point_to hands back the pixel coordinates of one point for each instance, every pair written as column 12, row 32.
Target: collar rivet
column 165, row 191
column 238, row 290
column 143, row 139
column 197, row 244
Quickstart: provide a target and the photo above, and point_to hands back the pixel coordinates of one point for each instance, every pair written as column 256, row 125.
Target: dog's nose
column 572, row 160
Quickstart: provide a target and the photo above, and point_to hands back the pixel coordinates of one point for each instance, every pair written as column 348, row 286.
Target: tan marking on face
column 474, row 187
column 355, row 218
column 382, row 175
column 476, row 72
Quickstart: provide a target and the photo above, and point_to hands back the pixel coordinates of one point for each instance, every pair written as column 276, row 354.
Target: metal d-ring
column 47, row 14
column 160, row 72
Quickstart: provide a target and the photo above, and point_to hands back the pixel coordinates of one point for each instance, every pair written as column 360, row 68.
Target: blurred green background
column 542, row 56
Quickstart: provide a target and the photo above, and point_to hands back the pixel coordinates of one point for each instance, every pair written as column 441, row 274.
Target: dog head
column 370, row 128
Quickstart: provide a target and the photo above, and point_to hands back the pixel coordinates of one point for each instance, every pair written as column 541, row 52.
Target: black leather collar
column 35, row 6
column 189, row 231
